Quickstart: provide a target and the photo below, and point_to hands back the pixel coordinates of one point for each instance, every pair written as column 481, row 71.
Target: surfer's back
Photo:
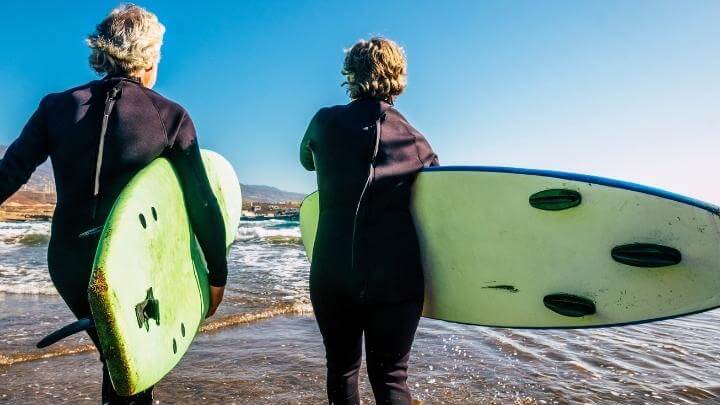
column 142, row 126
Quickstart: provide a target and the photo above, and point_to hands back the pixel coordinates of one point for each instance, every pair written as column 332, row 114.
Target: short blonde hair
column 376, row 68
column 127, row 41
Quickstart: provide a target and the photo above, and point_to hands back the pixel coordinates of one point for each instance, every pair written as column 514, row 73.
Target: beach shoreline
column 238, row 365
column 263, row 345
column 279, row 358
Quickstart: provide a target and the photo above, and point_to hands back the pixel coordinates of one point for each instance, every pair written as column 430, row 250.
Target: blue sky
column 624, row 89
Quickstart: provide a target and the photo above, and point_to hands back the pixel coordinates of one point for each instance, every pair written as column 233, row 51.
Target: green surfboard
column 149, row 288
column 540, row 249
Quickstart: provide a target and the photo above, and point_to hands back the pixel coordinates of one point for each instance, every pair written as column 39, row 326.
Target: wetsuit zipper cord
column 371, row 174
column 109, row 104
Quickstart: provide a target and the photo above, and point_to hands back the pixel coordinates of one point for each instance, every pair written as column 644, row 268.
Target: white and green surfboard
column 149, row 288
column 540, row 249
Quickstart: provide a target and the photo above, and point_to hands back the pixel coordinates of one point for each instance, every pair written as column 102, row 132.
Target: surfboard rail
column 583, row 178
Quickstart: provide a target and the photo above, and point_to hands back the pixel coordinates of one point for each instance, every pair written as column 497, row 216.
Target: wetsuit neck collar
column 384, row 105
column 123, row 77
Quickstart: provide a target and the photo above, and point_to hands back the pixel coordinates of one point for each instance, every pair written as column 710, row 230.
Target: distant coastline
column 35, row 201
column 17, row 212
column 28, row 205
column 258, row 211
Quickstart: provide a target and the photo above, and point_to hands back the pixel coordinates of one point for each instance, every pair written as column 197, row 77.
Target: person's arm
column 26, row 153
column 205, row 215
column 306, row 155
column 425, row 152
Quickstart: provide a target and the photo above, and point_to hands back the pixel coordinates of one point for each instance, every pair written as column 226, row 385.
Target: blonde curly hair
column 375, row 68
column 127, row 41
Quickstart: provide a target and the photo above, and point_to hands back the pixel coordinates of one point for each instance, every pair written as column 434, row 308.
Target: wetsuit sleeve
column 26, row 153
column 203, row 209
column 306, row 156
column 425, row 152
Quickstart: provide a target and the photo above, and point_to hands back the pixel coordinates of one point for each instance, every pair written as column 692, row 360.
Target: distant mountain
column 42, row 183
column 42, row 180
column 268, row 194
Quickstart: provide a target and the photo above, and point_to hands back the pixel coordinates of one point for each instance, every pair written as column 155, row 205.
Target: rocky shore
column 20, row 212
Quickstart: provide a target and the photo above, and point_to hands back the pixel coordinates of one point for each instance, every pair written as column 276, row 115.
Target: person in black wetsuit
column 141, row 125
column 366, row 276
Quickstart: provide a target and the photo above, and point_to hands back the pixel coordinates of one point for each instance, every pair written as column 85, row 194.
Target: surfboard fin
column 148, row 309
column 555, row 199
column 569, row 305
column 646, row 255
column 80, row 325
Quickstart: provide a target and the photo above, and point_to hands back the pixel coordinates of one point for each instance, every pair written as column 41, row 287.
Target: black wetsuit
column 366, row 275
column 142, row 126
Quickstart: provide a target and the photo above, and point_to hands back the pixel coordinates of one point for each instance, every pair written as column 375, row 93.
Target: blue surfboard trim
column 583, row 178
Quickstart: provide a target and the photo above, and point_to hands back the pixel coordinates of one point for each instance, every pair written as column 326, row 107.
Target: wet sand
column 280, row 360
column 276, row 361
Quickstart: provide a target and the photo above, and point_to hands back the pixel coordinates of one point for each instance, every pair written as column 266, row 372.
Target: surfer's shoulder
column 165, row 106
column 172, row 116
column 398, row 120
column 393, row 112
column 79, row 94
column 322, row 117
column 325, row 112
column 83, row 88
column 327, row 115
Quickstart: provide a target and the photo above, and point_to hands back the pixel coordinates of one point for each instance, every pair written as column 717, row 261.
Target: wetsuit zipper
column 112, row 97
column 368, row 182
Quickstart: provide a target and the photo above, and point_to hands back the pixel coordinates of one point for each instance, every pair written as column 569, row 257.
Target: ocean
column 263, row 345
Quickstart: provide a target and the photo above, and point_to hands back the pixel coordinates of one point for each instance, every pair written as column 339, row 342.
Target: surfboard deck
column 527, row 248
column 149, row 288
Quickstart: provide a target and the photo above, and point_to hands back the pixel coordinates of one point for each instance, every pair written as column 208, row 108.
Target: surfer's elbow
column 306, row 160
column 309, row 166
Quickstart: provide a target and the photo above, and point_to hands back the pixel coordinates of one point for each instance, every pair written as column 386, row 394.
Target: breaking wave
column 295, row 308
column 272, row 231
column 28, row 239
